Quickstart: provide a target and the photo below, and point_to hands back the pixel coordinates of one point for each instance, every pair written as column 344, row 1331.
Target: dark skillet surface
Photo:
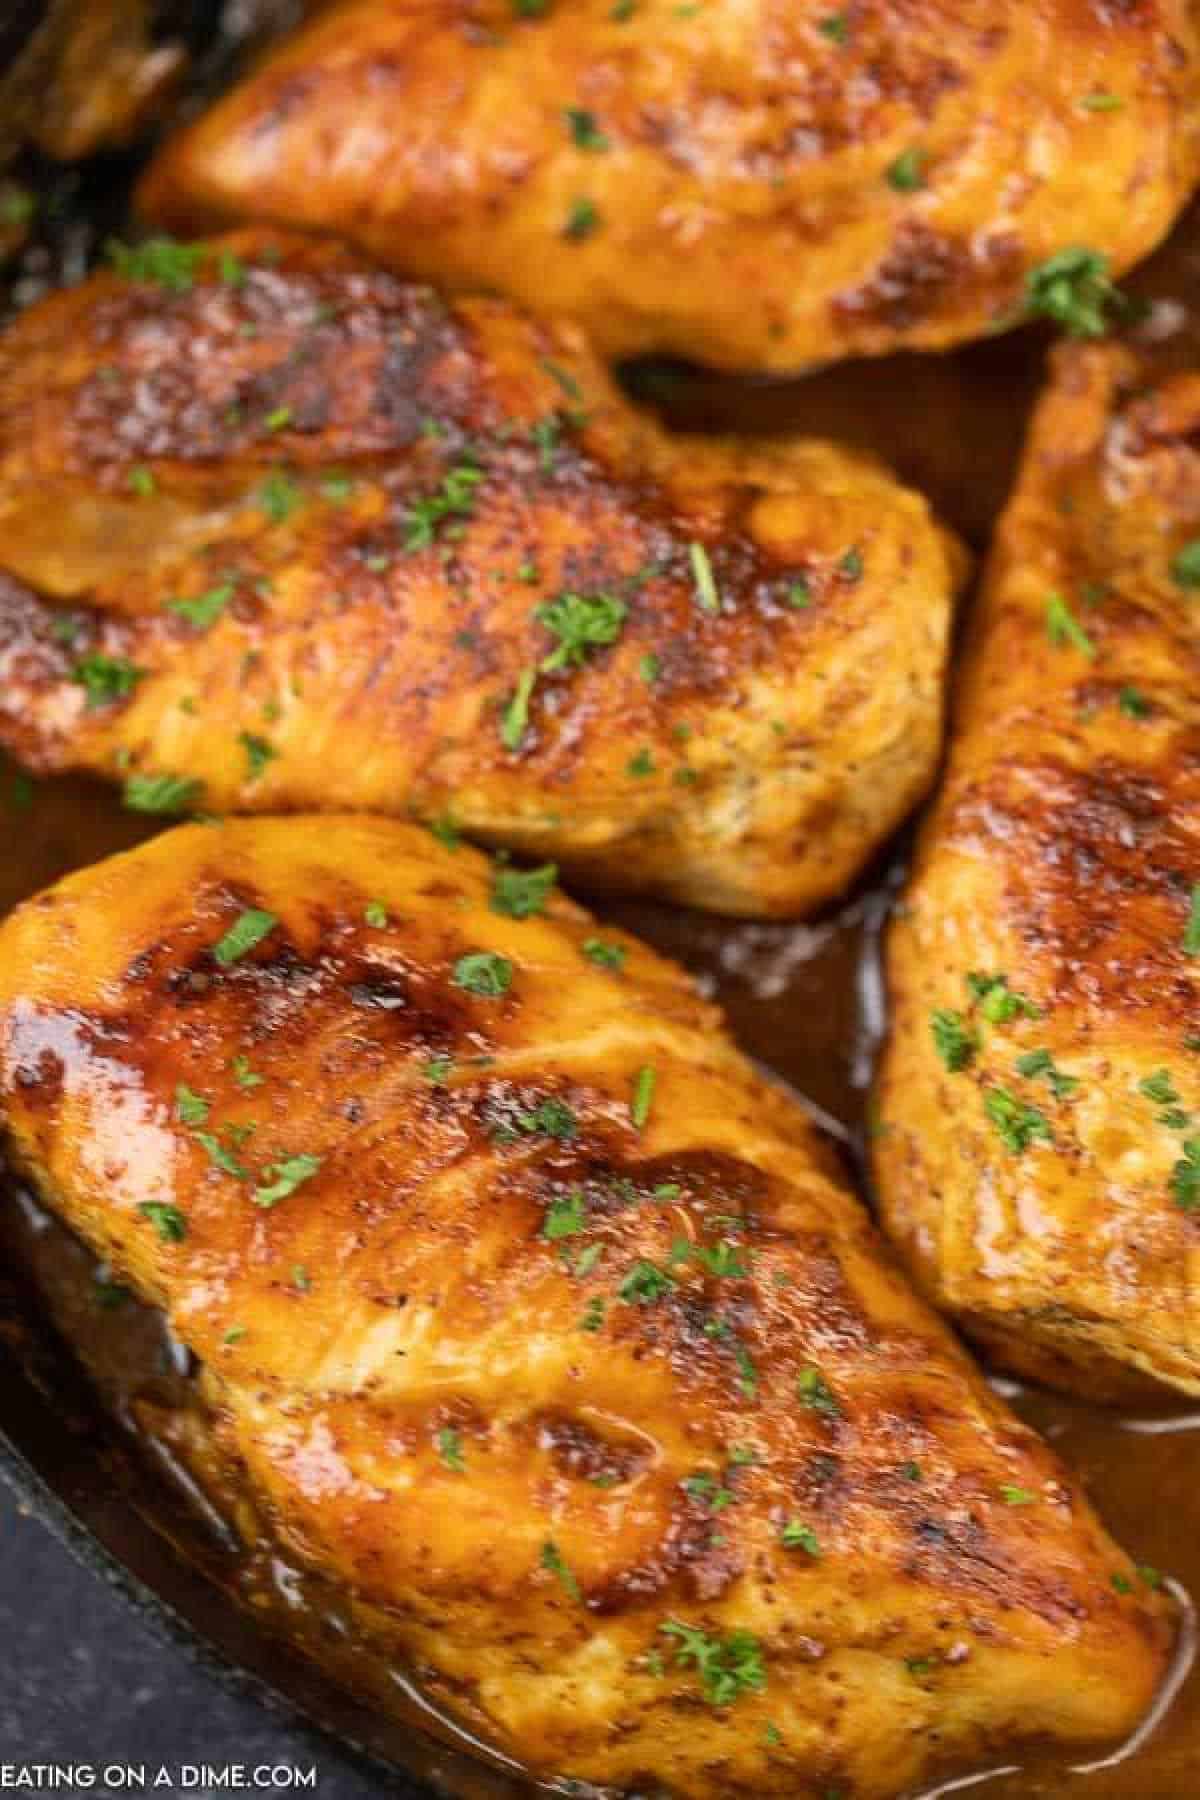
column 79, row 1677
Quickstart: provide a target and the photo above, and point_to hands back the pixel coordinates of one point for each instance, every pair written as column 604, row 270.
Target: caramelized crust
column 303, row 526
column 1064, row 854
column 761, row 185
column 542, row 1324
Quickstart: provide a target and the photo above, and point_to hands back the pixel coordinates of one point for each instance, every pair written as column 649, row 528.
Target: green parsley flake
column 141, row 482
column 106, row 678
column 953, row 1039
column 814, row 1392
column 728, row 1667
column 1073, row 288
column 1185, row 565
column 190, row 1108
column 552, row 1559
column 161, row 793
column 1062, row 627
column 566, row 1216
column 645, row 1284
column 1191, row 935
column 204, row 609
column 605, row 956
column 1018, row 1125
column 515, row 720
column 1185, row 1177
column 247, row 930
column 521, row 893
column 449, row 1448
column 163, row 260
column 285, row 1177
column 278, row 497
column 455, row 499
column 220, row 1156
column 375, row 915
column 582, row 220
column 1037, row 1063
column 643, row 1095
column 796, row 1536
column 707, row 596
column 244, row 1075
column 1017, row 1496
column 168, row 1221
column 483, row 972
column 906, row 174
column 259, row 752
column 585, row 133
column 580, row 622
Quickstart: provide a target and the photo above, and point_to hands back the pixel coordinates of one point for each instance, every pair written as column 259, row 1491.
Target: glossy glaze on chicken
column 758, row 186
column 534, row 1318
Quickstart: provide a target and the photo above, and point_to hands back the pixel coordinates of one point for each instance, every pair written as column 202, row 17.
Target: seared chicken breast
column 537, row 1321
column 278, row 531
column 762, row 185
column 1040, row 1166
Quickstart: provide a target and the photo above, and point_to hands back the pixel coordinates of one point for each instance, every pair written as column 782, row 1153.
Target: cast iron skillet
column 952, row 426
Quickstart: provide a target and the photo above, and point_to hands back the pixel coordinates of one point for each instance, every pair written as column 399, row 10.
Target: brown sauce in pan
column 804, row 999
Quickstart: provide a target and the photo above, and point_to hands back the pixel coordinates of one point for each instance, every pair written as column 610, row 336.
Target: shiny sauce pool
column 805, row 1000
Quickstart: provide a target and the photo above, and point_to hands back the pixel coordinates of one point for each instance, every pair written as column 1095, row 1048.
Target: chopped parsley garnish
column 221, row 1157
column 204, row 609
column 567, row 1215
column 1019, row 1125
column 1040, row 1062
column 605, row 956
column 1185, row 1177
column 640, row 764
column 483, row 972
column 1100, row 101
column 454, row 499
column 283, row 1178
column 1191, row 935
column 445, row 831
column 244, row 1075
column 438, row 1070
column 580, row 622
column 906, row 174
column 644, row 1284
column 799, row 593
column 814, row 1391
column 161, row 793
column 247, row 930
column 592, row 1317
column 278, row 497
column 582, row 220
column 375, row 914
column 160, row 259
column 707, row 596
column 106, row 678
column 551, row 1118
column 850, row 568
column 449, row 1448
column 279, row 419
column 719, row 1260
column 585, row 133
column 997, row 1001
column 836, row 27
column 953, row 1039
column 1073, row 288
column 727, row 1667
column 1017, row 1496
column 643, row 1095
column 515, row 720
column 796, row 1536
column 1160, row 1088
column 552, row 1559
column 1133, row 703
column 141, row 482
column 190, row 1108
column 708, row 1491
column 168, row 1221
column 520, row 893
column 1062, row 627
column 259, row 752
column 1185, row 565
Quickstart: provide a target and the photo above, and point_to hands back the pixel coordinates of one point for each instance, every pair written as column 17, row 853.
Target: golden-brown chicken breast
column 759, row 185
column 544, row 1326
column 278, row 531
column 1041, row 1090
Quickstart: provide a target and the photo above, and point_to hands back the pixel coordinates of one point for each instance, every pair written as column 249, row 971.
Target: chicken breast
column 1041, row 1165
column 278, row 532
column 762, row 185
column 540, row 1323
